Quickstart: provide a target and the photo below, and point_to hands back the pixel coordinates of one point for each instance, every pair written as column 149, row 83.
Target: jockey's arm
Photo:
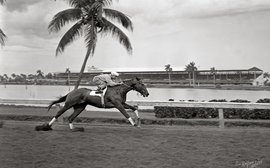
column 110, row 82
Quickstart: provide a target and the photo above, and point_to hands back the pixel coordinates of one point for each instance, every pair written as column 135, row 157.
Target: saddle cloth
column 93, row 93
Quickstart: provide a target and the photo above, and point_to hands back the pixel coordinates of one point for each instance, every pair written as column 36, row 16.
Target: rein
column 132, row 88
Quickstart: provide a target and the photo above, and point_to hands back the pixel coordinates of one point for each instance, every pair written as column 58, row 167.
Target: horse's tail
column 61, row 99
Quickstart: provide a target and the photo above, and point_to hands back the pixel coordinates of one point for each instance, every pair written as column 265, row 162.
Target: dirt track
column 119, row 146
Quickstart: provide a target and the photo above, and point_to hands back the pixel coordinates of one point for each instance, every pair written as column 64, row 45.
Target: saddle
column 101, row 95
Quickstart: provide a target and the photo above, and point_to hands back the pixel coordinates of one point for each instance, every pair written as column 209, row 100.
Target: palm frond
column 110, row 28
column 119, row 17
column 96, row 5
column 64, row 17
column 105, row 2
column 2, row 2
column 89, row 3
column 3, row 38
column 71, row 35
column 80, row 3
column 91, row 37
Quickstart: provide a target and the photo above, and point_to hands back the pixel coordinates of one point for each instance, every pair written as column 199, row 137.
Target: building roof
column 255, row 69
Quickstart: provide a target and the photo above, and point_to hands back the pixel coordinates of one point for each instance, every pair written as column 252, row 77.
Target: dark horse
column 115, row 97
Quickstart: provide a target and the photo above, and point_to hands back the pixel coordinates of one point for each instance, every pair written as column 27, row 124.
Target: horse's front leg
column 121, row 108
column 135, row 110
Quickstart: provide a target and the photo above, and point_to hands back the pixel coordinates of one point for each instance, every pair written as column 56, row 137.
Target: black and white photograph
column 134, row 83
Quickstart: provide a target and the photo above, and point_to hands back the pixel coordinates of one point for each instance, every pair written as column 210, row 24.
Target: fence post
column 221, row 118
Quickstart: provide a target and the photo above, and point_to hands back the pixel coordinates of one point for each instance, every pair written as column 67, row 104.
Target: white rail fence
column 217, row 105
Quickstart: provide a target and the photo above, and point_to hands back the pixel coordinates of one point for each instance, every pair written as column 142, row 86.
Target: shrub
column 238, row 113
column 262, row 113
column 187, row 113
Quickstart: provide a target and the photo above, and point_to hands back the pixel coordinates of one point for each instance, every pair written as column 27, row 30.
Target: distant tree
column 6, row 78
column 169, row 69
column 40, row 74
column 191, row 69
column 13, row 76
column 67, row 71
column 23, row 77
column 31, row 76
column 1, row 78
column 92, row 17
column 49, row 76
column 213, row 71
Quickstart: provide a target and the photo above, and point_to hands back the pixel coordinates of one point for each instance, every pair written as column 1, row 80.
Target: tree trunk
column 189, row 77
column 82, row 70
column 193, row 75
column 169, row 78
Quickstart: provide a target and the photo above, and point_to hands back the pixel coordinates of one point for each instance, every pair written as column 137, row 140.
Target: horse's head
column 137, row 85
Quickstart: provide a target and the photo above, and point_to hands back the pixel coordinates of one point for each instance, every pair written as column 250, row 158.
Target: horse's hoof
column 137, row 126
column 44, row 127
column 77, row 129
column 138, row 122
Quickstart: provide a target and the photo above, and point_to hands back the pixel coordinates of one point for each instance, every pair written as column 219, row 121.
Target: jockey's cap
column 115, row 73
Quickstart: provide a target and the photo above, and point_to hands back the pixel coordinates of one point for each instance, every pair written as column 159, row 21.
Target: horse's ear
column 137, row 78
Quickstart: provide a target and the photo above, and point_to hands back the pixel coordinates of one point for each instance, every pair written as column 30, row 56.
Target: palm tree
column 6, row 78
column 23, row 77
column 169, row 70
column 3, row 37
column 213, row 71
column 40, row 74
column 13, row 75
column 91, row 18
column 191, row 68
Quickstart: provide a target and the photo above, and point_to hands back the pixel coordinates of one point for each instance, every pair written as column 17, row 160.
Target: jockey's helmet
column 115, row 73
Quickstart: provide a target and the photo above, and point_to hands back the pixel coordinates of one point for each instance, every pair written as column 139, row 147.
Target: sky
column 225, row 34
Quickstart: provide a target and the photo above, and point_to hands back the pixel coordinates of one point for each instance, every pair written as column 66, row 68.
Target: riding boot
column 99, row 91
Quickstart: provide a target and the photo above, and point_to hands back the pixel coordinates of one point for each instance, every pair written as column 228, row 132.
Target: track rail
column 218, row 105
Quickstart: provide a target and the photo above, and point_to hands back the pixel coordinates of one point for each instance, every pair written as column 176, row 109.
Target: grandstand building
column 221, row 77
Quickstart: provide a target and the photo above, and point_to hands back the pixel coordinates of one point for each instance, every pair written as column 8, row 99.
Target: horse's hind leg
column 59, row 113
column 77, row 110
column 47, row 126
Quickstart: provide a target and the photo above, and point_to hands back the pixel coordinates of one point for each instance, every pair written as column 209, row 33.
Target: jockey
column 104, row 80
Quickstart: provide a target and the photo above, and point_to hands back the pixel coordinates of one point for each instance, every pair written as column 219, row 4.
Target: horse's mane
column 128, row 80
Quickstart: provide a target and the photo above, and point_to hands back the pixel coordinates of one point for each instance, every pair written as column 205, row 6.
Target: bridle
column 132, row 88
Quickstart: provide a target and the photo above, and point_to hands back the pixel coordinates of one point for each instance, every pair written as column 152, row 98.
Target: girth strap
column 102, row 100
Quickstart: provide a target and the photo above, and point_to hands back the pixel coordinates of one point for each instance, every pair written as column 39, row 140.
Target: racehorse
column 114, row 97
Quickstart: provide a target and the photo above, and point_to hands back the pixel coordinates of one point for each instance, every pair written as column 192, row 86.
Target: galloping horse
column 115, row 97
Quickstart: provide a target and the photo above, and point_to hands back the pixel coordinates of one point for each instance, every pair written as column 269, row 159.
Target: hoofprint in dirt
column 123, row 146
